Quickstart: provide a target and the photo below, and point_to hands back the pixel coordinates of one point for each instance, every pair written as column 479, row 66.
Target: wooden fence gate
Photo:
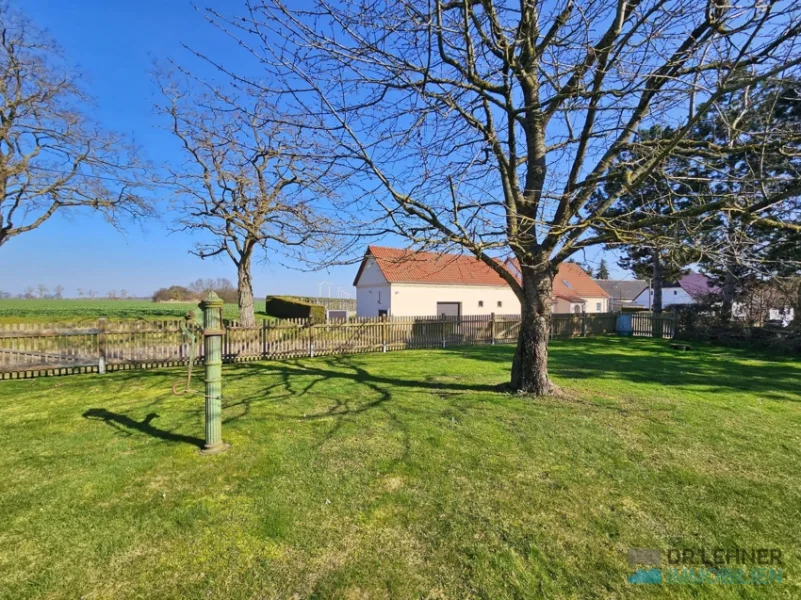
column 654, row 326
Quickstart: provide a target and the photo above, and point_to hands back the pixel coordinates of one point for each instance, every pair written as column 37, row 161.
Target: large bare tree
column 488, row 124
column 52, row 157
column 249, row 182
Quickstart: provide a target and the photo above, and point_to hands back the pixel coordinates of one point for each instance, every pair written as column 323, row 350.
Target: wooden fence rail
column 36, row 349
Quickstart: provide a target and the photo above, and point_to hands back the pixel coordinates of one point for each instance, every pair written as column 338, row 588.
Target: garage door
column 449, row 309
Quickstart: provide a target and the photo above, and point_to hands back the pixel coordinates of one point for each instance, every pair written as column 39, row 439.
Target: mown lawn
column 402, row 475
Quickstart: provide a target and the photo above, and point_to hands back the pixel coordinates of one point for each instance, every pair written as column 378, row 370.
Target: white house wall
column 372, row 291
column 592, row 305
column 409, row 300
column 371, row 274
column 670, row 295
column 374, row 294
column 373, row 298
column 561, row 306
column 596, row 305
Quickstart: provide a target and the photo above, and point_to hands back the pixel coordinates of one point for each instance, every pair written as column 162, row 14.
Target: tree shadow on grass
column 712, row 369
column 127, row 425
column 294, row 379
column 343, row 368
column 298, row 378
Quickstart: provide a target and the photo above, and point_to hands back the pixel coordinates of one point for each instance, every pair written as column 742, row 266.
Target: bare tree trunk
column 656, row 305
column 530, row 364
column 245, row 291
column 729, row 288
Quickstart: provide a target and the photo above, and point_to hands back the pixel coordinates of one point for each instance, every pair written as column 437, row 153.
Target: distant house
column 690, row 289
column 622, row 292
column 574, row 291
column 397, row 282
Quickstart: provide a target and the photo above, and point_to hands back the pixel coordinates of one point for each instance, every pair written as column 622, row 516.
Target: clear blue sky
column 115, row 45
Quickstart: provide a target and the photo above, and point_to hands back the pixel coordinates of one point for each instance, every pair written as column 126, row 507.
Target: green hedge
column 285, row 307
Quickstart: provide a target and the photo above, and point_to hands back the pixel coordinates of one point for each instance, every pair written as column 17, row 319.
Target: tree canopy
column 489, row 126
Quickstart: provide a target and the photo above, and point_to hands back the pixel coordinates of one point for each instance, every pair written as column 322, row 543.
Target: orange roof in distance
column 408, row 266
column 571, row 281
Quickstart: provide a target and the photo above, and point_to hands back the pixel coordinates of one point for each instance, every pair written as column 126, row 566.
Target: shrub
column 702, row 323
column 285, row 307
column 174, row 293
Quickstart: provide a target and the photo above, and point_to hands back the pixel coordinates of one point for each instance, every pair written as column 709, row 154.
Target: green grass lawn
column 402, row 475
column 70, row 310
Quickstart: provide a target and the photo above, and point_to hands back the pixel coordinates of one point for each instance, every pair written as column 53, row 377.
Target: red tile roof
column 408, row 266
column 572, row 280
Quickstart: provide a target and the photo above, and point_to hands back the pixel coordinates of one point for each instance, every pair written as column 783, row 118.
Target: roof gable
column 571, row 281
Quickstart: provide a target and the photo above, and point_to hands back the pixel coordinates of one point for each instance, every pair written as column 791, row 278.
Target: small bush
column 174, row 293
column 284, row 307
column 703, row 323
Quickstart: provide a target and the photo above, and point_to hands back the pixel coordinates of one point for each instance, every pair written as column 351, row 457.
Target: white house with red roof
column 397, row 282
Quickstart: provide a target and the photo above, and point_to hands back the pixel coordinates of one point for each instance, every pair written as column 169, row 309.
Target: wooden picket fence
column 35, row 349
column 646, row 324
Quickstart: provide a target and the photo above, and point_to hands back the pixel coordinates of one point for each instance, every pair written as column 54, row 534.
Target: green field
column 402, row 475
column 40, row 311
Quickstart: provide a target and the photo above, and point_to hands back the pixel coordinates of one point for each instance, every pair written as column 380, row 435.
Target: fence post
column 212, row 344
column 310, row 323
column 383, row 333
column 583, row 324
column 443, row 329
column 492, row 328
column 101, row 346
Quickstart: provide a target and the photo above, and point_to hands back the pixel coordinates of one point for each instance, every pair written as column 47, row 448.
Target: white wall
column 411, row 299
column 372, row 291
column 563, row 307
column 670, row 295
column 370, row 299
column 371, row 274
column 591, row 305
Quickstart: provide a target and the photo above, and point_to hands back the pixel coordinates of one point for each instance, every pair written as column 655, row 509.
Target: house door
column 449, row 309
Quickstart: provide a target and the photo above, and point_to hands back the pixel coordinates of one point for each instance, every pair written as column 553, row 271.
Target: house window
column 597, row 307
column 480, row 303
column 500, row 303
column 675, row 292
column 567, row 283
